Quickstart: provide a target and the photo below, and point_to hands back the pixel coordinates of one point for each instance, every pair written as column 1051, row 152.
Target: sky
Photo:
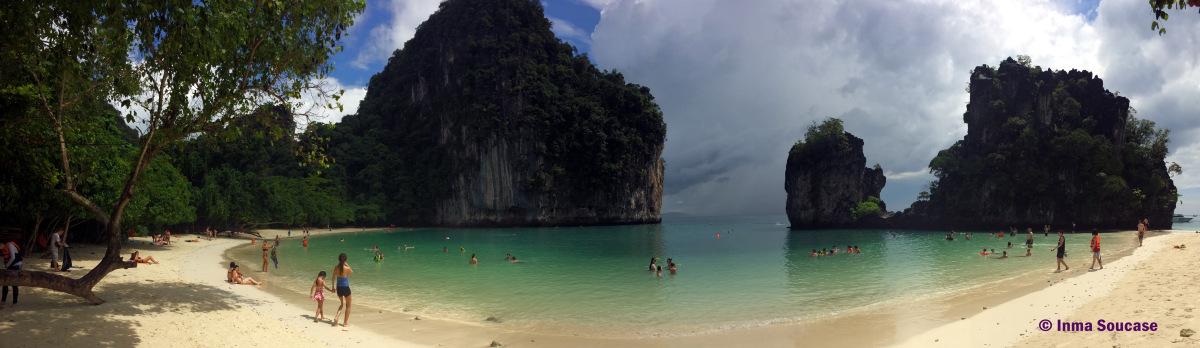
column 740, row 81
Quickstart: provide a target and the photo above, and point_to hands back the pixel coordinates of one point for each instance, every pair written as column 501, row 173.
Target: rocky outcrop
column 1047, row 147
column 823, row 188
column 484, row 118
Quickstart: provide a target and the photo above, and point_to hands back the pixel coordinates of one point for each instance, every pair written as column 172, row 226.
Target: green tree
column 869, row 208
column 185, row 67
column 1160, row 8
column 827, row 138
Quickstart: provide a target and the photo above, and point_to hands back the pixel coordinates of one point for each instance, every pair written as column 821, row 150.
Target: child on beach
column 317, row 293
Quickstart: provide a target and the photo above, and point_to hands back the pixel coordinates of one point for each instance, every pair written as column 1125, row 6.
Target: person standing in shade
column 1096, row 250
column 12, row 260
column 341, row 276
column 1062, row 241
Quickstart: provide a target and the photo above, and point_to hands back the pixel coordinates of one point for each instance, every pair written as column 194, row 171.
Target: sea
column 594, row 281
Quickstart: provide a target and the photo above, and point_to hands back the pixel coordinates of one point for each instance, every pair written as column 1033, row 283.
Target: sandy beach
column 184, row 301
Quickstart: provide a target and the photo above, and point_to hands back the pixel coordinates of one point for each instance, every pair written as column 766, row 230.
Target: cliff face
column 494, row 193
column 486, row 119
column 823, row 187
column 1047, row 147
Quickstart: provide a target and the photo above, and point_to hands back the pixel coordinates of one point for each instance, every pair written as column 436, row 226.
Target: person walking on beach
column 12, row 260
column 317, row 293
column 1141, row 232
column 1096, row 250
column 1029, row 239
column 1061, row 252
column 342, row 274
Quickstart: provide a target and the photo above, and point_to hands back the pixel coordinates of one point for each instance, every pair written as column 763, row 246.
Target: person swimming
column 984, row 252
column 814, row 253
column 652, row 261
column 1005, row 256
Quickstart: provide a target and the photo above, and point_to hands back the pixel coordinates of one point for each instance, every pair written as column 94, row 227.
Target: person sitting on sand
column 147, row 260
column 235, row 276
column 473, row 260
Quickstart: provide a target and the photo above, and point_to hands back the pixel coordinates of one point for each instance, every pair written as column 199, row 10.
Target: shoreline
column 861, row 323
column 185, row 300
column 1015, row 322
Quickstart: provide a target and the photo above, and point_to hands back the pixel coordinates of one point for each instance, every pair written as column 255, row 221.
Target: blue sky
column 739, row 81
column 574, row 21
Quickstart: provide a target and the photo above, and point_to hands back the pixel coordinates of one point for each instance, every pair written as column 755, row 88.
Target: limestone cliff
column 827, row 178
column 484, row 118
column 1047, row 147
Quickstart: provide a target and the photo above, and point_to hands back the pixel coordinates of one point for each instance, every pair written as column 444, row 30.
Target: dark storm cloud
column 739, row 82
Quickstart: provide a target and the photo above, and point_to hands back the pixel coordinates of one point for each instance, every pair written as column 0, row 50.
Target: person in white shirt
column 56, row 242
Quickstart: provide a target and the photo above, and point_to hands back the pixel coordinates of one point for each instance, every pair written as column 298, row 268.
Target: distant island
column 1043, row 147
column 827, row 182
column 1047, row 147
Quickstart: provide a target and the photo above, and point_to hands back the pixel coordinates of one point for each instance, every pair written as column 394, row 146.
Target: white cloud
column 598, row 4
column 740, row 81
column 324, row 109
column 385, row 38
column 565, row 30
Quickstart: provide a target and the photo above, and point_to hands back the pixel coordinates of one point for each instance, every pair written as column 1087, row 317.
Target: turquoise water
column 594, row 280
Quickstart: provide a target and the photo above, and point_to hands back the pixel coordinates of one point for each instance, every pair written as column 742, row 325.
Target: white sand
column 1154, row 284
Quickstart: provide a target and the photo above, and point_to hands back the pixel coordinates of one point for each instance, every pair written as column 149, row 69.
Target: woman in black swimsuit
column 1061, row 252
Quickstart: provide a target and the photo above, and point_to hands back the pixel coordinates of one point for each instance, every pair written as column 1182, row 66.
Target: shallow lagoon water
column 594, row 280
